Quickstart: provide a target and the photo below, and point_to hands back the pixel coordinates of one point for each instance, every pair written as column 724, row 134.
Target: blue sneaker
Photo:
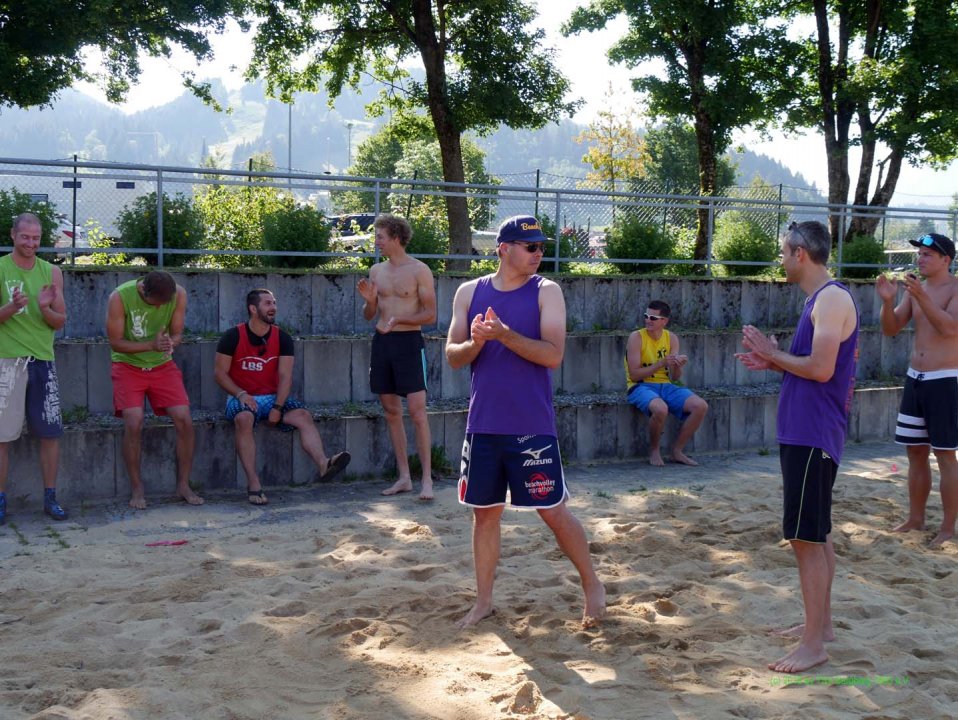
column 50, row 505
column 3, row 508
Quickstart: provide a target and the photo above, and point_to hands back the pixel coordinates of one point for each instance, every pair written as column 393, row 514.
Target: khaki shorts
column 13, row 394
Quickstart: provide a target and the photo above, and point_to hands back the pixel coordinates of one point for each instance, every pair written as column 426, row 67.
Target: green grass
column 57, row 538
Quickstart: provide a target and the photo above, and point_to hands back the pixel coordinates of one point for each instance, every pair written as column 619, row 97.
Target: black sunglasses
column 532, row 247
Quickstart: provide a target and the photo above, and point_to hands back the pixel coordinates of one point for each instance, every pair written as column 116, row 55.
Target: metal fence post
column 73, row 255
column 841, row 239
column 709, row 237
column 159, row 217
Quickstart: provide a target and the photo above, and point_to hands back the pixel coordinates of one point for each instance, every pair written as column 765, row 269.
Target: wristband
column 240, row 394
column 277, row 407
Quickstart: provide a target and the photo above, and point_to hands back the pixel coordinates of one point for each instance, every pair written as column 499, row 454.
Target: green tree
column 484, row 66
column 13, row 202
column 615, row 149
column 890, row 67
column 672, row 160
column 182, row 226
column 723, row 63
column 43, row 42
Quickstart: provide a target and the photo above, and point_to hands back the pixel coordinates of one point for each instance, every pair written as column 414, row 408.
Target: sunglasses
column 532, row 247
column 654, row 317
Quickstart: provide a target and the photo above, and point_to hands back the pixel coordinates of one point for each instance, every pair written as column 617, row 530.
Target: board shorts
column 808, row 476
column 29, row 390
column 644, row 393
column 928, row 414
column 162, row 385
column 264, row 403
column 528, row 466
column 397, row 363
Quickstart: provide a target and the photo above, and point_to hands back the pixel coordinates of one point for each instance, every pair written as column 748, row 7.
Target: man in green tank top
column 31, row 310
column 144, row 325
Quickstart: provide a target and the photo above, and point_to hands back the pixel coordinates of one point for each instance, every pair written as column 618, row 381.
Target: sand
column 334, row 602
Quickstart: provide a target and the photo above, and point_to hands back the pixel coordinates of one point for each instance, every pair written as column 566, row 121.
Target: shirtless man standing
column 928, row 418
column 401, row 291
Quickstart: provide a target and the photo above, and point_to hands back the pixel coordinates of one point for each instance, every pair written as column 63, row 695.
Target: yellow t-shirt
column 652, row 352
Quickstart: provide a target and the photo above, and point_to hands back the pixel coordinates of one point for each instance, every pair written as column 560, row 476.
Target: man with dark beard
column 254, row 365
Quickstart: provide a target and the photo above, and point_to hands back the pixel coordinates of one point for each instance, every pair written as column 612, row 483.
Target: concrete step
column 595, row 427
column 332, row 370
column 328, row 304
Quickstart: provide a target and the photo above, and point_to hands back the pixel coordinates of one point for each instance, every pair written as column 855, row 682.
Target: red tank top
column 254, row 368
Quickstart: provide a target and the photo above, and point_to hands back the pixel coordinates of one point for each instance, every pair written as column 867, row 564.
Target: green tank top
column 141, row 322
column 25, row 334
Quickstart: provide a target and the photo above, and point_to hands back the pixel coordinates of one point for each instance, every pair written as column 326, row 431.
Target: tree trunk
column 881, row 198
column 432, row 49
column 706, row 147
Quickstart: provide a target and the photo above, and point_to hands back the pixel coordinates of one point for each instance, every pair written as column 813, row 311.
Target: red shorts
column 162, row 385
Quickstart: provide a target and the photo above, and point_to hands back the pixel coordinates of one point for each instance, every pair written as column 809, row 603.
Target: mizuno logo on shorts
column 534, row 458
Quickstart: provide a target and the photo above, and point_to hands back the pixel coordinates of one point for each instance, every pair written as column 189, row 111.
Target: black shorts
column 808, row 476
column 397, row 363
column 929, row 410
column 528, row 466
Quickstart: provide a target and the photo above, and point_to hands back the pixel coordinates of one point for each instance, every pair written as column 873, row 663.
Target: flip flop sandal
column 337, row 463
column 250, row 494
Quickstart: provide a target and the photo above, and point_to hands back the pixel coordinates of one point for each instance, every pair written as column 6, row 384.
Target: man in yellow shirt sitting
column 652, row 367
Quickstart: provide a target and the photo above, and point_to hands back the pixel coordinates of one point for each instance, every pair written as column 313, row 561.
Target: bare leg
column 659, row 412
column 919, row 487
column 308, row 437
column 183, row 423
column 573, row 542
column 696, row 408
column 417, row 412
column 828, row 630
column 132, row 435
column 4, row 465
column 392, row 404
column 948, row 468
column 245, row 442
column 486, row 538
column 49, row 460
column 814, row 579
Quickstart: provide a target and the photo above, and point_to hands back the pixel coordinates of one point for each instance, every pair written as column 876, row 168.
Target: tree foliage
column 726, row 67
column 615, row 149
column 43, row 42
column 891, row 68
column 672, row 160
column 484, row 66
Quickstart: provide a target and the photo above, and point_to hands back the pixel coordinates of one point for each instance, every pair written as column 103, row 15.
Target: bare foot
column 941, row 538
column 138, row 500
column 426, row 492
column 680, row 457
column 257, row 496
column 594, row 611
column 910, row 524
column 655, row 458
column 799, row 630
column 400, row 486
column 478, row 612
column 799, row 659
column 187, row 494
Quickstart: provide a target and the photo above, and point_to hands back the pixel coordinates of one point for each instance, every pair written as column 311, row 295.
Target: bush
column 430, row 236
column 632, row 238
column 182, row 226
column 683, row 248
column 863, row 249
column 296, row 229
column 738, row 237
column 13, row 202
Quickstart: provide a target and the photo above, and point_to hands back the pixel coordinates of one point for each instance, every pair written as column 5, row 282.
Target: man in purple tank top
column 818, row 376
column 510, row 326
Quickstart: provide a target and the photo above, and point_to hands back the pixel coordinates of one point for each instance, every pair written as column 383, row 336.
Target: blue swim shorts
column 673, row 395
column 264, row 403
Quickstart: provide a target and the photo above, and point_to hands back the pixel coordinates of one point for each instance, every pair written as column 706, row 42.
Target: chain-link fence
column 91, row 198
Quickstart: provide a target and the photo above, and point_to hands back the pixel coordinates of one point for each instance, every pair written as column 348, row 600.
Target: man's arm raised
column 461, row 346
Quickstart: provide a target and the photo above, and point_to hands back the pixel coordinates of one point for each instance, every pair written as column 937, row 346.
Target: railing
column 98, row 192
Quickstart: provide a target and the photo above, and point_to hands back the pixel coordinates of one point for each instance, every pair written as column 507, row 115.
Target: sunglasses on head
column 531, row 247
column 654, row 317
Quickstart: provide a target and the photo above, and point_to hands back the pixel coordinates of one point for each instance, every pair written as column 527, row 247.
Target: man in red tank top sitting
column 254, row 365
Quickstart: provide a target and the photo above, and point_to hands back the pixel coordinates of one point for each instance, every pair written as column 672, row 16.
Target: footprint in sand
column 664, row 606
column 294, row 609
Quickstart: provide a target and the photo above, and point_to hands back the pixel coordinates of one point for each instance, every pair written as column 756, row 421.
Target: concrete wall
column 314, row 304
column 336, row 370
column 91, row 464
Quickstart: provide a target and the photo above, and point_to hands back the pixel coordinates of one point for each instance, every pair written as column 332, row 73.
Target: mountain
column 184, row 131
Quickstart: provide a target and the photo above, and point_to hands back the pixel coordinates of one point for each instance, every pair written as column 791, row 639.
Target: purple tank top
column 510, row 395
column 812, row 413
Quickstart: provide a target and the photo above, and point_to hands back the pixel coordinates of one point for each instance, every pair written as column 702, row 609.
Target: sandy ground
column 334, row 602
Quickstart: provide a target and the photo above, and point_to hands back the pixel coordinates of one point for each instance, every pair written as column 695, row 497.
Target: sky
column 583, row 60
